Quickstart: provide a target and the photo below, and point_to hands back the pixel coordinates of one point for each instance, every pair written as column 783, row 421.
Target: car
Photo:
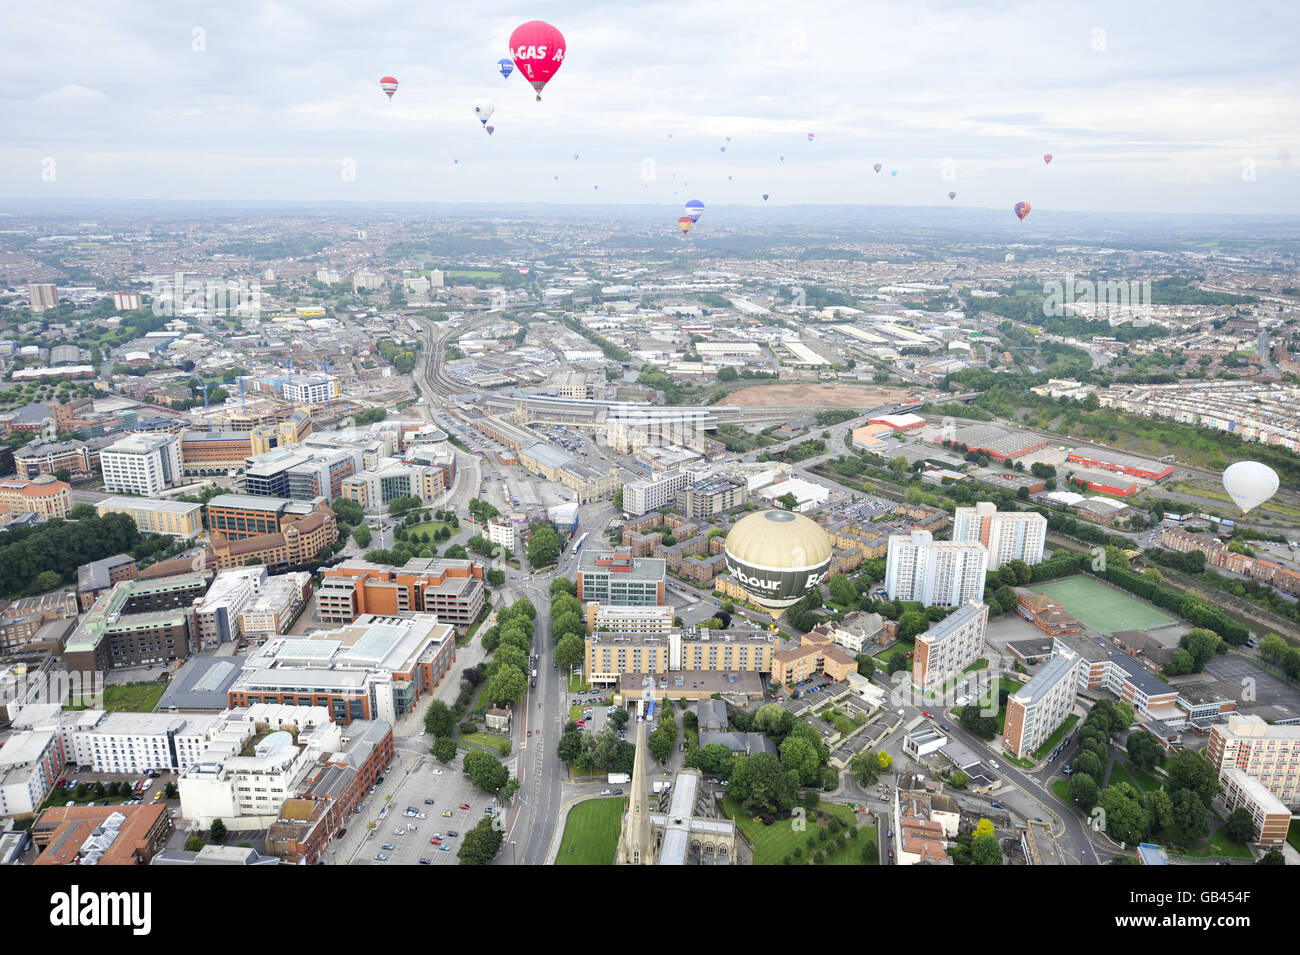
column 463, row 805
column 530, row 734
column 490, row 811
column 994, row 764
column 926, row 714
column 607, row 792
column 424, row 732
column 341, row 833
column 1067, row 770
column 997, row 805
column 399, row 832
column 944, row 727
column 435, row 841
column 421, row 815
column 580, row 723
column 444, row 847
column 446, row 812
column 428, row 802
column 437, row 772
column 452, row 833
column 1052, row 758
column 889, row 834
column 389, row 847
column 425, row 860
column 618, row 792
column 380, row 857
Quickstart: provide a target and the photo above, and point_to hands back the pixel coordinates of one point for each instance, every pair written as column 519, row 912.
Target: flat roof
column 149, row 504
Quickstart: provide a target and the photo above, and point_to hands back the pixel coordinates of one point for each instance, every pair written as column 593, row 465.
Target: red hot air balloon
column 685, row 223
column 1047, row 158
column 1022, row 210
column 538, row 51
column 388, row 84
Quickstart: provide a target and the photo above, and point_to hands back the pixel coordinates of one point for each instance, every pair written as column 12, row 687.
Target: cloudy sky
column 1149, row 105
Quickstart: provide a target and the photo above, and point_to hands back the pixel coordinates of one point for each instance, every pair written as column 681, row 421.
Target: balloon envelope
column 952, row 195
column 484, row 109
column 506, row 66
column 490, row 129
column 893, row 172
column 877, row 167
column 538, row 51
column 810, row 137
column 765, row 197
column 694, row 209
column 389, row 85
column 1022, row 210
column 685, row 223
column 1047, row 158
column 1249, row 484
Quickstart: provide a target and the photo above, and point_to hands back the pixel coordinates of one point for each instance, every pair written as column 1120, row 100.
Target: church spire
column 636, row 847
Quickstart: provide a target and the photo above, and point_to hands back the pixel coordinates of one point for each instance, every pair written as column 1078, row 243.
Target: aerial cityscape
column 680, row 514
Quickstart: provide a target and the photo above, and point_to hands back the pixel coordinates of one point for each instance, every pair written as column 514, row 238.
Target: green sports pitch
column 1102, row 608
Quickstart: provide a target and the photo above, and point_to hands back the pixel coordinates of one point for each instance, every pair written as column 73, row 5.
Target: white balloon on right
column 1250, row 484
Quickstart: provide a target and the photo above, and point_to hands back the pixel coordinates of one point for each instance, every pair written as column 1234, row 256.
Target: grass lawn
column 577, row 684
column 773, row 843
column 1062, row 788
column 1056, row 737
column 591, row 832
column 1219, row 845
column 1121, row 770
column 883, row 657
column 131, row 697
column 488, row 742
column 979, row 664
column 431, row 528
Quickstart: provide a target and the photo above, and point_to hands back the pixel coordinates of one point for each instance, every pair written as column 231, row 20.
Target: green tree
column 865, row 768
column 194, row 844
column 1083, row 792
column 1127, row 817
column 801, row 757
column 544, row 547
column 761, row 784
column 481, row 844
column 984, row 850
column 218, row 831
column 1087, row 764
column 443, row 749
column 773, row 720
column 787, row 501
column 1190, row 815
column 842, row 590
column 1144, row 749
column 569, row 652
column 440, row 719
column 571, row 743
column 1190, row 770
column 1240, row 827
column 486, row 771
column 508, row 685
column 1272, row 857
column 911, row 624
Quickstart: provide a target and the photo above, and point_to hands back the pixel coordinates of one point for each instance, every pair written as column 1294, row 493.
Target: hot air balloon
column 728, row 179
column 1249, row 484
column 810, row 137
column 694, row 209
column 575, row 155
column 595, row 187
column 506, row 67
column 780, row 159
column 877, row 167
column 893, row 172
column 1047, row 158
column 523, row 270
column 723, row 148
column 484, row 109
column 685, row 223
column 777, row 558
column 538, row 51
column 727, row 138
column 952, row 195
column 490, row 129
column 388, row 84
column 1022, row 210
column 765, row 197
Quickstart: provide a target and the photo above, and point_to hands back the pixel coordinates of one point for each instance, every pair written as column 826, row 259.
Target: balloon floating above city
column 1250, row 484
column 389, row 85
column 777, row 557
column 538, row 51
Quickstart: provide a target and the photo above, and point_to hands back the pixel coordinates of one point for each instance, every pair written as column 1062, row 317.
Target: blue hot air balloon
column 893, row 172
column 506, row 66
column 694, row 209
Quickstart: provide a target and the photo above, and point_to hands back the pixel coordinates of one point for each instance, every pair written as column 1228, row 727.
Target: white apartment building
column 141, row 464
column 30, row 763
column 131, row 743
column 1269, row 753
column 649, row 494
column 507, row 530
column 1008, row 535
column 246, row 792
column 1035, row 711
column 273, row 606
column 950, row 646
column 310, row 389
column 604, row 618
column 942, row 573
column 216, row 613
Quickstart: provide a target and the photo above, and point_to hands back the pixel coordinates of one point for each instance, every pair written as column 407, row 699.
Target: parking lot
column 448, row 789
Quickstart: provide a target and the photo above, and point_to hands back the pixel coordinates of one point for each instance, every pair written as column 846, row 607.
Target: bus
column 578, row 546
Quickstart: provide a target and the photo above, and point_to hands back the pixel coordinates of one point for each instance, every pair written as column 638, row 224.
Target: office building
column 650, row 494
column 296, row 545
column 619, row 579
column 177, row 518
column 374, row 489
column 216, row 613
column 1268, row 753
column 942, row 573
column 377, row 667
column 137, row 622
column 709, row 497
column 1008, row 535
column 511, row 531
column 301, row 473
column 274, row 604
column 101, row 835
column 1268, row 814
column 44, row 495
column 141, row 464
column 43, row 296
column 236, row 516
column 46, row 457
column 652, row 619
column 1041, row 705
column 451, row 589
column 949, row 646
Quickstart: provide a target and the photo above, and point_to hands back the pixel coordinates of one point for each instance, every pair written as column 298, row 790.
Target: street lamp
column 513, row 843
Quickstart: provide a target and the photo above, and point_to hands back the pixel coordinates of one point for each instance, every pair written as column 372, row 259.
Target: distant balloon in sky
column 728, row 179
column 765, row 197
column 595, row 187
column 523, row 270
column 1249, row 484
column 723, row 148
column 506, row 67
column 1022, row 210
column 575, row 155
column 538, row 51
column 952, row 195
column 490, row 129
column 694, row 209
column 780, row 159
column 877, row 167
column 1047, row 158
column 455, row 162
column 388, row 84
column 810, row 137
column 484, row 109
column 893, row 172
column 685, row 223
column 727, row 138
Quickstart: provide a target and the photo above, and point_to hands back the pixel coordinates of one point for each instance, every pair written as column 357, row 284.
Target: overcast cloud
column 1154, row 105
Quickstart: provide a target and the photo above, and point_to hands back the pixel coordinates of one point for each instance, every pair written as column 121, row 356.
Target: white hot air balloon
column 1249, row 484
column 483, row 110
